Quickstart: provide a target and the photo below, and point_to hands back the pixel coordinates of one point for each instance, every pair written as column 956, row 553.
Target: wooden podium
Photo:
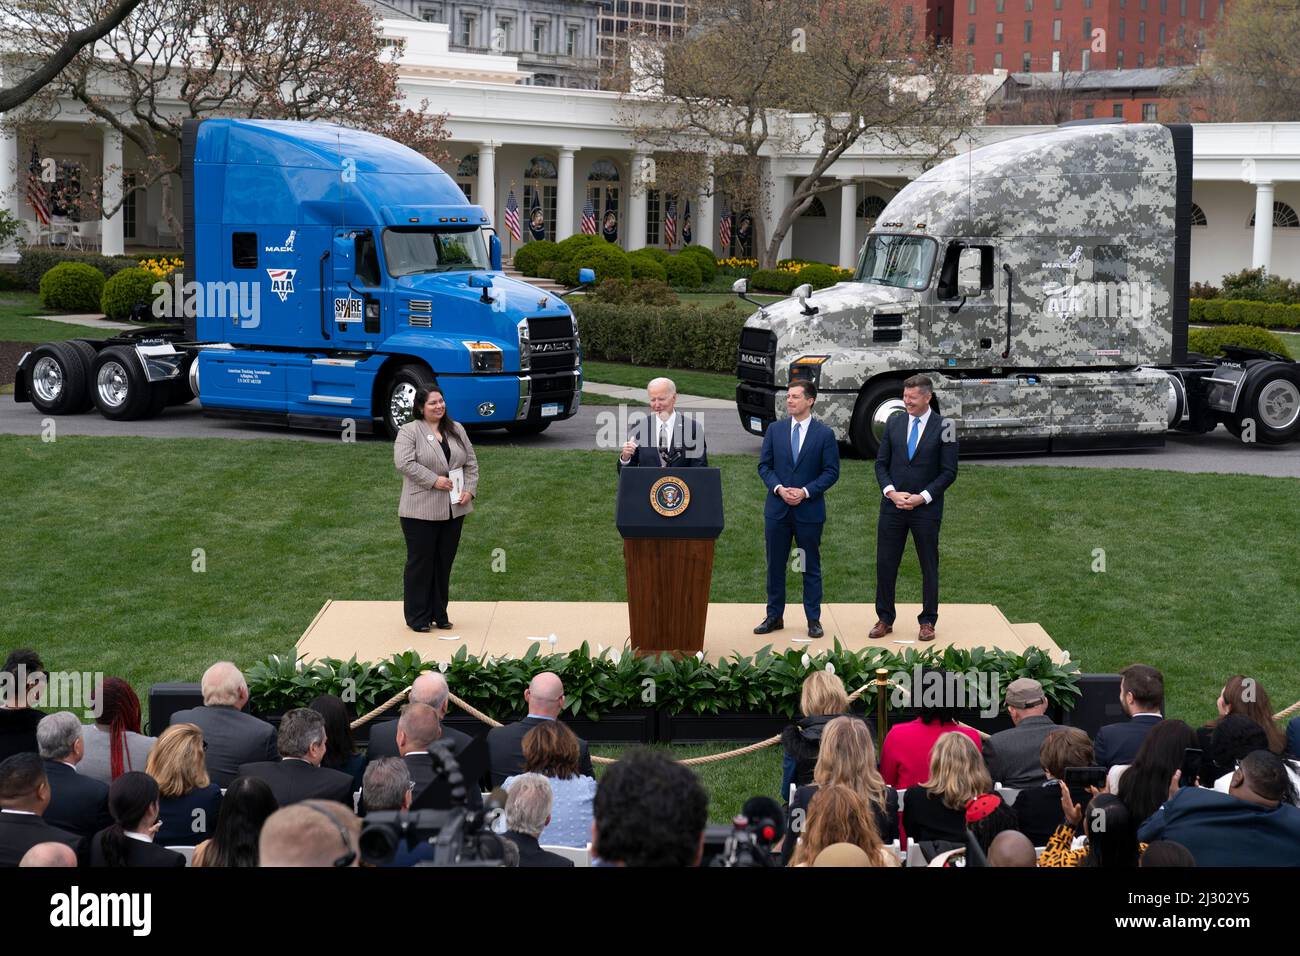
column 669, row 519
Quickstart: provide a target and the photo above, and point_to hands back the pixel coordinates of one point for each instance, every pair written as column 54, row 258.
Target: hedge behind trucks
column 1041, row 282
column 330, row 274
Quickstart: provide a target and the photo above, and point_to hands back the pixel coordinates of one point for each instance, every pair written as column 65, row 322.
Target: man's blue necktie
column 794, row 441
column 912, row 437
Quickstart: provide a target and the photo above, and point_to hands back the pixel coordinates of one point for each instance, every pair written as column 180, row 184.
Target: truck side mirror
column 343, row 256
column 494, row 252
column 969, row 269
column 740, row 286
column 801, row 293
column 478, row 280
column 586, row 276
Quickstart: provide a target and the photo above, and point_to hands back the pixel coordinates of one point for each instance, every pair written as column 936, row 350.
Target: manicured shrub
column 820, row 276
column 607, row 259
column 684, row 272
column 126, row 290
column 680, row 336
column 1212, row 341
column 646, row 267
column 633, row 292
column 704, row 259
column 34, row 263
column 773, row 280
column 72, row 287
column 531, row 256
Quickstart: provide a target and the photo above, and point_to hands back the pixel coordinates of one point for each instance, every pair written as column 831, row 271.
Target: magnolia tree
column 173, row 60
column 756, row 79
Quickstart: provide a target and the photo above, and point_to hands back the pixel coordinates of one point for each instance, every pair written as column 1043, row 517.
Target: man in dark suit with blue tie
column 916, row 463
column 799, row 462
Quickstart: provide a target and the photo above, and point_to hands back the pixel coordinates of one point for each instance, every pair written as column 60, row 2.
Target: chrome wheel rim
column 47, row 379
column 401, row 403
column 883, row 413
column 112, row 385
column 1279, row 404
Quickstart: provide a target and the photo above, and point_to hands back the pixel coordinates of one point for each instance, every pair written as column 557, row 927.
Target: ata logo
column 282, row 282
column 288, row 243
column 669, row 496
column 541, row 303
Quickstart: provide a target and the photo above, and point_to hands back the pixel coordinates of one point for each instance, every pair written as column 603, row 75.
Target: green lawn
column 708, row 384
column 1199, row 580
column 1292, row 340
column 594, row 398
column 710, row 299
column 18, row 325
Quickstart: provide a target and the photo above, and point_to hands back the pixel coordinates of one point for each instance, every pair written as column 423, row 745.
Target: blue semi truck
column 330, row 273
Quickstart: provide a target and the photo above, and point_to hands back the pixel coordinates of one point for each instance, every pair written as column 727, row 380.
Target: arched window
column 468, row 166
column 815, row 209
column 1198, row 216
column 1284, row 217
column 870, row 208
column 539, row 167
column 603, row 170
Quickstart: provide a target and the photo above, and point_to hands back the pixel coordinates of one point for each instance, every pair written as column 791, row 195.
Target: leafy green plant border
column 767, row 682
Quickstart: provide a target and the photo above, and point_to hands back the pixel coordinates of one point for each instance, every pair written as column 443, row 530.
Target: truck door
column 961, row 331
column 357, row 304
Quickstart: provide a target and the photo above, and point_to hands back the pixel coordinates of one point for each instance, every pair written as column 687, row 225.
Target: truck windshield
column 413, row 251
column 902, row 261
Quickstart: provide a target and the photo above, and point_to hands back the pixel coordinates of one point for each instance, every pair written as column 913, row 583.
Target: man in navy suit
column 1142, row 695
column 916, row 463
column 799, row 462
column 664, row 438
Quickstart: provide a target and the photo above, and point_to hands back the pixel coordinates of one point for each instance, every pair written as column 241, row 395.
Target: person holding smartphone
column 435, row 457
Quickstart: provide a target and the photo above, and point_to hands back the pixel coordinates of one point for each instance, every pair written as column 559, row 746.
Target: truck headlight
column 524, row 346
column 807, row 368
column 484, row 356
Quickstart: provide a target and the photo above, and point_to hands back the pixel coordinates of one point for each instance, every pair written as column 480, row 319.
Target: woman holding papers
column 439, row 482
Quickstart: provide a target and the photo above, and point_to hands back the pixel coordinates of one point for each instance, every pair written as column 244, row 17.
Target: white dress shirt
column 919, row 432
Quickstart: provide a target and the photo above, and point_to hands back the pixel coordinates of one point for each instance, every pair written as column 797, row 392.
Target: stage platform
column 375, row 630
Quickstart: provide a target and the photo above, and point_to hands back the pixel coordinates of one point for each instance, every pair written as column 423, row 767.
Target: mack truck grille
column 552, row 346
column 756, row 358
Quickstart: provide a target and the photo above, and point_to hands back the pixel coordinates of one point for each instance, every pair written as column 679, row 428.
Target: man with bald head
column 231, row 736
column 310, row 833
column 664, row 439
column 49, row 855
column 545, row 700
column 431, row 689
column 1012, row 848
column 419, row 731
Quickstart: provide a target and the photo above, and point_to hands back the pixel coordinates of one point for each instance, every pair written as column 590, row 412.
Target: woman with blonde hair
column 847, row 758
column 936, row 808
column 836, row 814
column 822, row 700
column 188, row 800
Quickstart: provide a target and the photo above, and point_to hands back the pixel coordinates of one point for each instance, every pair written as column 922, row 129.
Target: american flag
column 724, row 226
column 670, row 224
column 36, row 196
column 589, row 218
column 512, row 216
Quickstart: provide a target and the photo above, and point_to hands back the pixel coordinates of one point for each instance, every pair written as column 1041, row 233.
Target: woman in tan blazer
column 427, row 449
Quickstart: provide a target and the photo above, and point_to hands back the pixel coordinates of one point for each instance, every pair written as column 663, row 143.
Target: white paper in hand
column 457, row 476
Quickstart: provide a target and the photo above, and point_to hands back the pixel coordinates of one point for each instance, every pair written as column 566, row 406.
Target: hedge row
column 678, row 336
column 1211, row 341
column 34, row 263
column 691, row 268
column 1244, row 312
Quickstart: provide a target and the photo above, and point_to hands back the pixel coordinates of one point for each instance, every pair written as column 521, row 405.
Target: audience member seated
column 836, row 814
column 1256, row 823
column 418, row 729
column 340, row 751
column 1233, row 739
column 1241, row 697
column 387, row 786
column 551, row 749
column 431, row 689
column 1110, row 829
column 649, row 811
column 1167, row 853
column 987, row 817
column 1012, row 848
column 77, row 804
column 822, row 700
column 315, row 833
column 545, row 700
column 1145, row 784
column 1012, row 755
column 129, row 842
column 936, row 808
column 528, row 816
column 842, row 855
column 298, row 775
column 1038, row 809
column 847, row 757
column 245, row 806
column 46, row 855
column 1142, row 695
column 234, row 738
column 24, row 795
column 905, row 756
column 114, row 742
column 20, row 682
column 189, row 801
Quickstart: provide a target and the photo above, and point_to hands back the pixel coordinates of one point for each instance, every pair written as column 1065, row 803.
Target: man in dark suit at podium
column 664, row 438
column 799, row 462
column 916, row 462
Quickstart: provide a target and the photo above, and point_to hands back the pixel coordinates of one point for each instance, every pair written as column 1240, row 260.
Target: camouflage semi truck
column 1042, row 283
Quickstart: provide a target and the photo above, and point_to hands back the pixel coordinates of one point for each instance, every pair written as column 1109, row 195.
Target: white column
column 486, row 187
column 638, row 214
column 111, row 166
column 10, row 197
column 1263, row 250
column 848, row 224
column 564, row 193
column 705, row 234
column 780, row 189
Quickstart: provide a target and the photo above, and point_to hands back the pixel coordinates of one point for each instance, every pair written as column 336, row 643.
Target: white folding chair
column 185, row 851
column 581, row 856
column 793, row 788
column 898, row 851
column 356, row 801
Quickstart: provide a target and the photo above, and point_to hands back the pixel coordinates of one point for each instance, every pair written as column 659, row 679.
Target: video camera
column 749, row 839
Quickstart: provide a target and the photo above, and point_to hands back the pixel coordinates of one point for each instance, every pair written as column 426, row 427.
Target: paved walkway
column 95, row 321
column 637, row 394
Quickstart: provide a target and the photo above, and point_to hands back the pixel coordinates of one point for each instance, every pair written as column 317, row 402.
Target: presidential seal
column 669, row 496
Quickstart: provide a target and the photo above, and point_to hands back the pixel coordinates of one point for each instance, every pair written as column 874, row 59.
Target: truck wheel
column 527, row 428
column 119, row 387
column 1272, row 401
column 876, row 405
column 399, row 395
column 57, row 380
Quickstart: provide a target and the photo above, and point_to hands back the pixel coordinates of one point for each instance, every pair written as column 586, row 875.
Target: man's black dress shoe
column 421, row 628
column 443, row 625
column 770, row 624
column 815, row 629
